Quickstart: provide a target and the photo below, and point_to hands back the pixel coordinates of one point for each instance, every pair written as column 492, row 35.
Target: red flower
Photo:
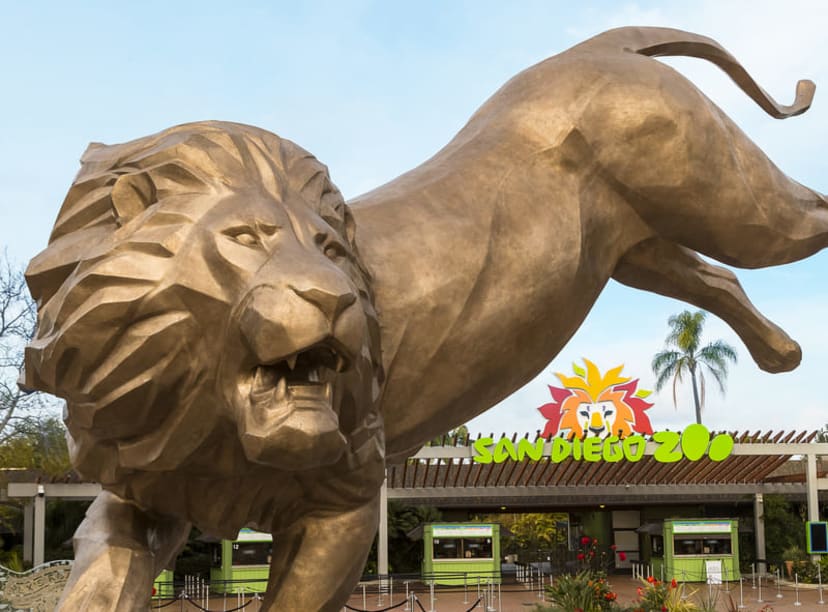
column 613, row 547
column 585, row 540
column 622, row 556
column 640, row 592
column 651, row 579
column 594, row 541
column 592, row 553
column 581, row 556
column 663, row 608
column 673, row 583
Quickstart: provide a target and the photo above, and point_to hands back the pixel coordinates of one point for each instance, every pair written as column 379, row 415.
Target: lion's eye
column 334, row 251
column 244, row 235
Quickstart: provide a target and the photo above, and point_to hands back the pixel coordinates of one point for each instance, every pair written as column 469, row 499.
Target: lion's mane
column 119, row 334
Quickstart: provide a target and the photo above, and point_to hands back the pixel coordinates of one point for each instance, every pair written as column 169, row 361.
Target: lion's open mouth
column 303, row 379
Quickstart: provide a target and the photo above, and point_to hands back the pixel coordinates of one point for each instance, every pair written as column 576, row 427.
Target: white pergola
column 447, row 476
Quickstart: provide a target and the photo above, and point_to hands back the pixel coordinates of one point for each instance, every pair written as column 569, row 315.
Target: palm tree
column 685, row 336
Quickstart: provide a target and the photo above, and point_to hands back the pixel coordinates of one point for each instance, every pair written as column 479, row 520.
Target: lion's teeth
column 340, row 363
column 281, row 389
column 291, row 361
column 328, row 388
column 313, row 375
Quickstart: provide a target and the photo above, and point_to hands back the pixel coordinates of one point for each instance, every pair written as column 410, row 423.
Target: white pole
column 760, row 590
column 796, row 586
column 778, row 586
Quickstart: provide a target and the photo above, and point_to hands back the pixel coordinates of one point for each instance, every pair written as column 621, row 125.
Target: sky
column 375, row 88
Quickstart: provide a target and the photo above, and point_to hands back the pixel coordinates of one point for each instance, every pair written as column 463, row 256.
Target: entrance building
column 620, row 502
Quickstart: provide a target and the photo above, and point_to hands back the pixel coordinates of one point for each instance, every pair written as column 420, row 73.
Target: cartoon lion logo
column 204, row 312
column 592, row 405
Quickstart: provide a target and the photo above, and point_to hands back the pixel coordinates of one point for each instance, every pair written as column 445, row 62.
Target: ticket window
column 251, row 553
column 702, row 545
column 462, row 548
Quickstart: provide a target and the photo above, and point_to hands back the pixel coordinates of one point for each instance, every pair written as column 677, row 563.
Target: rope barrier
column 417, row 601
column 192, row 602
column 402, row 603
column 474, row 605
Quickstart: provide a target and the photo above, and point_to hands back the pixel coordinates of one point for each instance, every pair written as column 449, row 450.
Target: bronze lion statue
column 237, row 346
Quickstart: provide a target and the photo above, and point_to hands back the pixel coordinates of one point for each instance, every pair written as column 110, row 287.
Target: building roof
column 447, row 475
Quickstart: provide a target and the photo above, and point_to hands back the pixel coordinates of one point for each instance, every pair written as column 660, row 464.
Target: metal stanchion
column 408, row 607
column 753, row 576
column 431, row 592
column 540, row 584
column 796, row 590
column 778, row 585
column 819, row 582
column 364, row 598
column 760, row 589
column 741, row 595
column 465, row 587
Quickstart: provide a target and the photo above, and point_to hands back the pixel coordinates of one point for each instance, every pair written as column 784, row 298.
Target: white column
column 39, row 525
column 382, row 542
column 28, row 532
column 813, row 493
column 759, row 530
column 811, row 484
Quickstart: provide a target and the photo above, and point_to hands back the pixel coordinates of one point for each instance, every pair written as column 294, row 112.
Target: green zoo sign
column 669, row 446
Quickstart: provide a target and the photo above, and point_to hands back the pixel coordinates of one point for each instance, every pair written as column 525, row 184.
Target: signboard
column 602, row 417
column 714, row 571
column 249, row 535
column 701, row 526
column 462, row 531
column 591, row 404
column 817, row 537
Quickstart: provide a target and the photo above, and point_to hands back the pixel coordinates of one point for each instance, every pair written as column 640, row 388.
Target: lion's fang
column 281, row 389
column 291, row 361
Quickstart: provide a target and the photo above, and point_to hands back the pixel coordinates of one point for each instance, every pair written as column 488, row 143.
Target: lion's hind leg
column 664, row 267
column 119, row 550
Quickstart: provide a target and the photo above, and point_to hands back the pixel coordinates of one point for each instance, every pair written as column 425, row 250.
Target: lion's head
column 203, row 284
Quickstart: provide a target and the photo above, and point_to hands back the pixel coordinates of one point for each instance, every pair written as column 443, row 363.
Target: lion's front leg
column 669, row 269
column 119, row 550
column 318, row 559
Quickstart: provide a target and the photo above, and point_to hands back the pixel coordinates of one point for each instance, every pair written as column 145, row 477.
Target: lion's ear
column 131, row 195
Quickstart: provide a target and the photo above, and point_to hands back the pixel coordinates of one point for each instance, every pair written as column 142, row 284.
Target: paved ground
column 519, row 598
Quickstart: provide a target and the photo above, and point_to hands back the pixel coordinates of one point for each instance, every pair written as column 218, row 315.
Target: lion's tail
column 654, row 42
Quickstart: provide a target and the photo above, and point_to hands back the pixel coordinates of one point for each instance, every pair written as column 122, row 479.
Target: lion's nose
column 329, row 302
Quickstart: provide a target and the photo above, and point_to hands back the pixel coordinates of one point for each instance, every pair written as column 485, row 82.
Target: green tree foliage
column 404, row 554
column 534, row 536
column 784, row 527
column 461, row 435
column 688, row 357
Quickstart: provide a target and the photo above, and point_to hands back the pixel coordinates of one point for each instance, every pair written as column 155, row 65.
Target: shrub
column 587, row 591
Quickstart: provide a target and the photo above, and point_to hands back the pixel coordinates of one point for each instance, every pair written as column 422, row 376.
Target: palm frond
column 686, row 330
column 719, row 375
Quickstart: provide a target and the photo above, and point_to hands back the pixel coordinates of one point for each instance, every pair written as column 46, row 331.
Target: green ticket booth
column 163, row 587
column 696, row 550
column 461, row 553
column 242, row 565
